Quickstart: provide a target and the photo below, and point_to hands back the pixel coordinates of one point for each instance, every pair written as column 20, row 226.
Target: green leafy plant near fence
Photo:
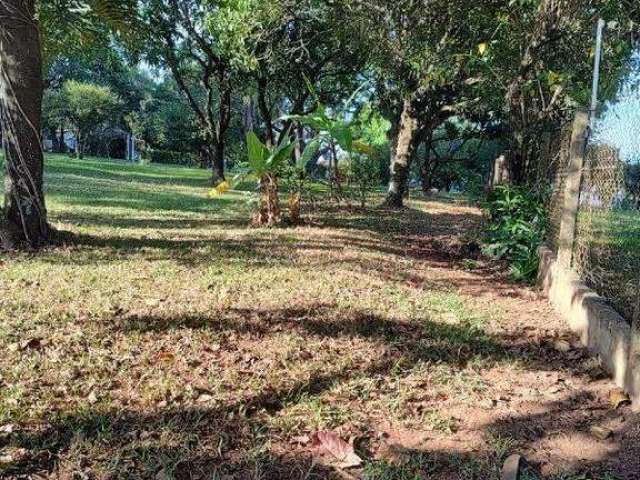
column 517, row 225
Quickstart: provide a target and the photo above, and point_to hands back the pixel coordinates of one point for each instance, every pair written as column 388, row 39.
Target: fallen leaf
column 205, row 398
column 8, row 428
column 302, row 439
column 600, row 433
column 163, row 474
column 166, row 356
column 617, row 398
column 13, row 455
column 562, row 346
column 338, row 448
column 31, row 344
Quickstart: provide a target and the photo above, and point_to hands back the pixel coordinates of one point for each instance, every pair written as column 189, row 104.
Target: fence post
column 572, row 188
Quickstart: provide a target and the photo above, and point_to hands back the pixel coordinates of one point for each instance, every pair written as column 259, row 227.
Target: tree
column 541, row 60
column 424, row 58
column 177, row 39
column 24, row 212
column 24, row 215
column 87, row 107
column 285, row 50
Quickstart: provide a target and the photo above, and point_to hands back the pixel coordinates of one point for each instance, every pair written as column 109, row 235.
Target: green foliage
column 267, row 160
column 168, row 157
column 363, row 176
column 86, row 106
column 81, row 26
column 517, row 227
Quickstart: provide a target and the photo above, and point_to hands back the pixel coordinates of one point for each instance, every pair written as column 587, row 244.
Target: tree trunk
column 401, row 155
column 265, row 111
column 59, row 146
column 294, row 208
column 426, row 167
column 21, row 88
column 269, row 210
column 217, row 164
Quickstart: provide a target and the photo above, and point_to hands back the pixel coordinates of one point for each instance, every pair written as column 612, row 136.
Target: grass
column 608, row 257
column 166, row 339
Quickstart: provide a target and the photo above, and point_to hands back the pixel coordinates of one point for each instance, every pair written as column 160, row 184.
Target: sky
column 619, row 122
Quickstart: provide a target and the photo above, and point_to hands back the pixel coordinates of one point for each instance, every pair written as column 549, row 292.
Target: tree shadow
column 234, row 437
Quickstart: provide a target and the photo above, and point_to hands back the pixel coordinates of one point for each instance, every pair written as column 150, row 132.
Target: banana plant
column 265, row 164
column 332, row 132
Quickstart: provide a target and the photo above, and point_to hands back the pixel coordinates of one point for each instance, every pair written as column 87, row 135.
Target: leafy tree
column 426, row 52
column 88, row 106
column 283, row 48
column 541, row 58
column 177, row 38
column 162, row 109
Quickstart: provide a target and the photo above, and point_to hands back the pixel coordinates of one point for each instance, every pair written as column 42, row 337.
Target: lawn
column 166, row 339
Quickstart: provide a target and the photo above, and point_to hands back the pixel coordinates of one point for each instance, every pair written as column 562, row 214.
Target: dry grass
column 167, row 340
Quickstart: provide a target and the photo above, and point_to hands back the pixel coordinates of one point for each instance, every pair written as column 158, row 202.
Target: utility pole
column 596, row 73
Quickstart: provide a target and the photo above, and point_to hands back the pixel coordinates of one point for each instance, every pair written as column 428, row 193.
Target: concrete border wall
column 600, row 327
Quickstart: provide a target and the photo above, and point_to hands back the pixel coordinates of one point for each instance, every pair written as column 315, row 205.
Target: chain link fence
column 606, row 249
column 558, row 162
column 607, row 246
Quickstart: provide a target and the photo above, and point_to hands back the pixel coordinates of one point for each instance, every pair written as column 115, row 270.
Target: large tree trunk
column 24, row 214
column 402, row 154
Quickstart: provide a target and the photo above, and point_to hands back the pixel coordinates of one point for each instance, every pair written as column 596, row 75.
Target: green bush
column 517, row 225
column 168, row 157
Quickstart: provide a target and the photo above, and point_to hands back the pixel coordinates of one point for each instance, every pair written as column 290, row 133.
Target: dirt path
column 546, row 402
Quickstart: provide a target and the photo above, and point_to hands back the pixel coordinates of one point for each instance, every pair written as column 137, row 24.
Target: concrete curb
column 601, row 328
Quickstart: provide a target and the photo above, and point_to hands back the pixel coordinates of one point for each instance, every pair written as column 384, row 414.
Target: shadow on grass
column 231, row 438
column 127, row 172
column 235, row 437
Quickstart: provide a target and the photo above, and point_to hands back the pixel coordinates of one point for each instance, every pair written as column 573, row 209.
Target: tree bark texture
column 24, row 214
column 269, row 208
column 404, row 148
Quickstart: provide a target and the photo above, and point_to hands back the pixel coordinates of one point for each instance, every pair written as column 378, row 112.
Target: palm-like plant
column 332, row 131
column 265, row 164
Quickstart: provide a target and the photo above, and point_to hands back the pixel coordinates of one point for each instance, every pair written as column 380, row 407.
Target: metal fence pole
column 596, row 72
column 572, row 188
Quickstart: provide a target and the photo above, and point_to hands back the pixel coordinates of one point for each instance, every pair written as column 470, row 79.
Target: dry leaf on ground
column 338, row 448
column 617, row 398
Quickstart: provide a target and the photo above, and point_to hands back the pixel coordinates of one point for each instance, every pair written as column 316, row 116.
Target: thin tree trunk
column 24, row 217
column 265, row 111
column 426, row 167
column 217, row 163
column 401, row 155
column 61, row 145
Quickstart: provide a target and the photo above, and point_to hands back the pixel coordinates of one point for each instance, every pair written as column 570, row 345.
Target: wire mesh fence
column 607, row 243
column 558, row 161
column 606, row 247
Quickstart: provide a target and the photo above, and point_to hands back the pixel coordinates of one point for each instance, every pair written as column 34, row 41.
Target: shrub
column 517, row 225
column 363, row 176
column 171, row 158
